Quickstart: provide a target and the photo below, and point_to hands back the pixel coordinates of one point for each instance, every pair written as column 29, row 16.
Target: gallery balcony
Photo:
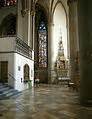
column 15, row 45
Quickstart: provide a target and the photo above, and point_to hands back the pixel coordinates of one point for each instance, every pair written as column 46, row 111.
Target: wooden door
column 4, row 71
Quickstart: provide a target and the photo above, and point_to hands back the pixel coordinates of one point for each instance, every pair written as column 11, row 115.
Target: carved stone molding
column 23, row 12
column 22, row 48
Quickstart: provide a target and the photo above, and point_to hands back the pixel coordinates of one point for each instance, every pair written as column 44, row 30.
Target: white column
column 50, row 50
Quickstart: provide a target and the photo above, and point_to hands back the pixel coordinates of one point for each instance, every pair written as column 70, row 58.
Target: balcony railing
column 15, row 44
column 23, row 48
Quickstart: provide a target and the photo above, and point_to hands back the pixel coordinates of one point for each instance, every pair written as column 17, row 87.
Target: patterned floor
column 45, row 102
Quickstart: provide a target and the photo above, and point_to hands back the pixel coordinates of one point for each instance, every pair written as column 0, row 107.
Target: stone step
column 4, row 89
column 8, row 92
column 12, row 93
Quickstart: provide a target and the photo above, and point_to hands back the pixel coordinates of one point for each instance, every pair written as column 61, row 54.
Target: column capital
column 71, row 1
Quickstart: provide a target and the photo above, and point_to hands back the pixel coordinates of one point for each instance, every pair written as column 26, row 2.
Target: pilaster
column 50, row 53
column 85, row 44
column 74, row 41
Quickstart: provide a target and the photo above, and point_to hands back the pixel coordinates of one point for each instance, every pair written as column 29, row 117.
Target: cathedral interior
column 45, row 59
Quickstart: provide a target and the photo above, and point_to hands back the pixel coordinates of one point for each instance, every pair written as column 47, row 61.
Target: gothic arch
column 8, row 25
column 54, row 4
column 26, row 72
column 59, row 1
column 64, row 5
column 42, row 8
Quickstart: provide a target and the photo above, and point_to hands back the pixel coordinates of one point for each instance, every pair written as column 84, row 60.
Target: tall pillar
column 74, row 44
column 32, row 26
column 28, row 14
column 29, row 28
column 85, row 44
column 50, row 53
column 32, row 23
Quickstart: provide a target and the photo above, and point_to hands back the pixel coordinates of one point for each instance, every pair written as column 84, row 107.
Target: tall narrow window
column 42, row 40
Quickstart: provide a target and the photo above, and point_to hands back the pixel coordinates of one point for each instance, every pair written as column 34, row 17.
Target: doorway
column 26, row 73
column 4, row 72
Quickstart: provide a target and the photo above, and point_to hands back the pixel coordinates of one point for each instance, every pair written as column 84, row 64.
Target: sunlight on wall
column 60, row 29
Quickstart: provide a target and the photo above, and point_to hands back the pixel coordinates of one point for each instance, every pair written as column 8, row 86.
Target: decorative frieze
column 23, row 48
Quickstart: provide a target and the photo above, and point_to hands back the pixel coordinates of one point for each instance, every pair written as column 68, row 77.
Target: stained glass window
column 42, row 45
column 4, row 3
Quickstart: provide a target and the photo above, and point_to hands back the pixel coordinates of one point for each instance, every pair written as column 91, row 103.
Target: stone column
column 28, row 5
column 74, row 44
column 85, row 44
column 50, row 53
column 29, row 28
column 33, row 23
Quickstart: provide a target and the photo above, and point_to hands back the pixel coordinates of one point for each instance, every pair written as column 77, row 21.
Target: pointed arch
column 8, row 25
column 59, row 1
column 26, row 72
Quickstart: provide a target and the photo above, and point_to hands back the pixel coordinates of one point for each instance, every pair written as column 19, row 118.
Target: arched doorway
column 26, row 73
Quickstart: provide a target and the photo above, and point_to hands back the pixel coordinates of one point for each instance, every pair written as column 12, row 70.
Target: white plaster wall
column 10, row 58
column 60, row 29
column 20, row 61
column 7, row 44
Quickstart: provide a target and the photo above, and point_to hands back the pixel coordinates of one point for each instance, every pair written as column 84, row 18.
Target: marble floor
column 45, row 102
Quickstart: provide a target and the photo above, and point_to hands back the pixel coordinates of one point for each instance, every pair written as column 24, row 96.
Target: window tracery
column 42, row 45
